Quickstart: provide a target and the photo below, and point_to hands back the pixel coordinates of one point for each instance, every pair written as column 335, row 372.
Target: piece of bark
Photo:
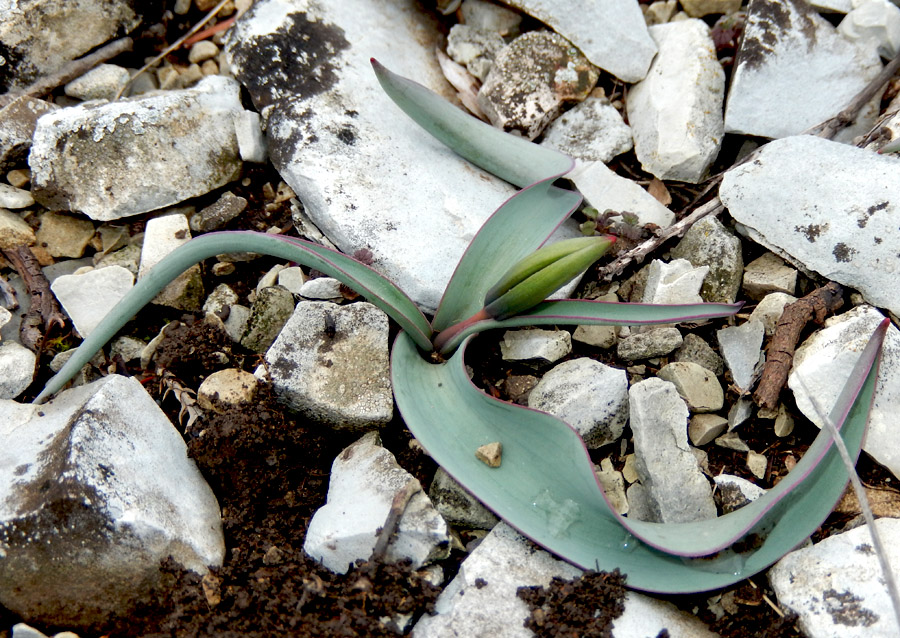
column 44, row 312
column 815, row 306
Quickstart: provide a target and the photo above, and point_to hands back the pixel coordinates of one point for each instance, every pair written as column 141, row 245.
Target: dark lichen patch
column 300, row 59
column 843, row 253
column 766, row 20
column 845, row 609
column 811, row 231
column 347, row 134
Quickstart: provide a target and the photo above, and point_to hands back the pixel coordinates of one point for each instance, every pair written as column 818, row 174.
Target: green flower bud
column 533, row 279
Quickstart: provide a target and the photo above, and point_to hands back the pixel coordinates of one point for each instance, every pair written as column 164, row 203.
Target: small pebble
column 202, row 51
column 14, row 198
column 19, row 177
column 222, row 269
column 490, row 454
column 732, row 441
column 757, row 464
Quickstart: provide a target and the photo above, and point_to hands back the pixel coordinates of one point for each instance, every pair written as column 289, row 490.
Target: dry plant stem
column 640, row 252
column 780, row 354
column 883, row 561
column 44, row 311
column 398, row 506
column 74, row 69
column 173, row 46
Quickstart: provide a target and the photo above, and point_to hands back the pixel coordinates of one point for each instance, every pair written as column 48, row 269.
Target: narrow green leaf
column 570, row 312
column 516, row 229
column 378, row 290
column 545, row 486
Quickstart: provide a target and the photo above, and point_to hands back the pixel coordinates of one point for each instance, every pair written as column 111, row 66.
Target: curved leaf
column 378, row 290
column 546, row 488
column 596, row 313
column 519, row 226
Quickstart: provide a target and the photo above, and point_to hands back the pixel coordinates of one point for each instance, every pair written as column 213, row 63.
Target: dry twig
column 398, row 506
column 815, row 306
column 44, row 312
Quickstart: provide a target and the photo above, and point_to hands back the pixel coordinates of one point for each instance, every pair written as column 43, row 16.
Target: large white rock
column 787, row 54
column 836, row 586
column 365, row 478
column 873, row 24
column 823, row 363
column 16, row 369
column 604, row 189
column 132, row 156
column 97, row 490
column 846, row 229
column 611, row 33
column 88, row 298
column 368, row 176
column 331, row 363
column 676, row 111
column 588, row 395
column 481, row 601
column 667, row 467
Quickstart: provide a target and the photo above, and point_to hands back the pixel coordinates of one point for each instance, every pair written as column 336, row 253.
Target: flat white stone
column 588, row 395
column 128, row 157
column 788, row 53
column 695, row 384
column 611, row 33
column 768, row 311
column 836, row 586
column 675, row 282
column 591, row 131
column 532, row 343
column 341, row 378
column 162, row 235
column 16, row 369
column 102, row 82
column 874, row 24
column 14, row 230
column 845, row 229
column 667, row 467
column 676, row 111
column 106, row 450
column 709, row 243
column 604, row 189
column 367, row 175
column 250, row 138
column 321, row 288
column 364, row 479
column 482, row 14
column 14, row 198
column 823, row 363
column 741, row 346
column 658, row 341
column 89, row 297
column 645, row 616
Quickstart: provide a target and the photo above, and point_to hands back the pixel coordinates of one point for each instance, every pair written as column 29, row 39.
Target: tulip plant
column 545, row 486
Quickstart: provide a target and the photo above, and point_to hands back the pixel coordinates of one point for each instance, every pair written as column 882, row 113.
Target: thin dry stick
column 75, row 68
column 889, row 580
column 398, row 506
column 173, row 46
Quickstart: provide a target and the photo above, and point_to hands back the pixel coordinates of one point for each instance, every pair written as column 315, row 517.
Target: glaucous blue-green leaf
column 546, row 488
column 374, row 287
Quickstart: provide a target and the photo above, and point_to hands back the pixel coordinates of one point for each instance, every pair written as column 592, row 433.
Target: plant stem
column 444, row 336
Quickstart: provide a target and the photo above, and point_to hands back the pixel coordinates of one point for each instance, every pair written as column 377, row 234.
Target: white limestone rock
column 873, row 24
column 768, row 311
column 366, row 174
column 667, row 467
column 488, row 16
column 611, row 33
column 271, row 311
column 5, row 316
column 321, row 288
column 16, row 369
column 734, row 492
column 14, row 198
column 64, row 235
column 162, row 235
column 675, row 282
column 97, row 491
column 588, row 395
column 845, row 230
column 591, row 131
column 655, row 342
column 823, row 363
column 768, row 274
column 676, row 111
column 530, row 81
column 534, row 344
column 704, row 428
column 709, row 243
column 14, row 230
column 741, row 346
column 88, row 298
column 102, row 82
column 695, row 384
column 836, row 586
column 250, row 138
column 474, row 48
column 604, row 189
column 17, row 122
column 331, row 363
column 219, row 299
column 364, row 480
column 787, row 53
column 128, row 157
column 645, row 616
column 39, row 36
